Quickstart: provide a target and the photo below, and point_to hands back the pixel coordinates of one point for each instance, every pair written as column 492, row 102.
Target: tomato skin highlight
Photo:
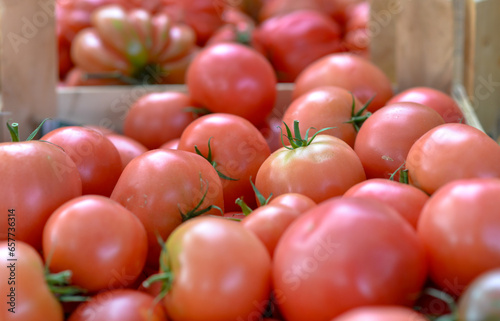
column 326, row 168
column 37, row 178
column 381, row 313
column 24, row 281
column 103, row 256
column 238, row 272
column 358, row 250
column 457, row 226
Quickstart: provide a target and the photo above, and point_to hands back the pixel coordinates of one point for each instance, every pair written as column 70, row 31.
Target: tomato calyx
column 211, row 161
column 403, row 174
column 357, row 118
column 198, row 111
column 60, row 285
column 165, row 275
column 196, row 211
column 295, row 139
column 14, row 131
column 261, row 200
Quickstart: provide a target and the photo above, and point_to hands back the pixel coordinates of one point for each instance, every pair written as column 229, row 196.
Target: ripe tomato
column 135, row 43
column 385, row 138
column 171, row 144
column 480, row 300
column 120, row 305
column 323, row 107
column 95, row 156
column 273, row 8
column 356, row 33
column 127, row 147
column 406, row 199
column 156, row 118
column 325, row 168
column 271, row 132
column 236, row 147
column 350, row 71
column 444, row 104
column 165, row 187
column 25, row 293
column 238, row 27
column 268, row 223
column 456, row 226
column 471, row 151
column 293, row 41
column 297, row 201
column 37, row 177
column 228, row 261
column 335, row 250
column 106, row 255
column 381, row 313
column 232, row 78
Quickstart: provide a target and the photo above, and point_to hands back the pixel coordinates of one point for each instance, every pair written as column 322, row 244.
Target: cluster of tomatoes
column 353, row 204
column 113, row 42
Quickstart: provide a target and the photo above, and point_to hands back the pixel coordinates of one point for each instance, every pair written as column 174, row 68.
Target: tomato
column 293, row 41
column 236, row 147
column 355, row 251
column 128, row 148
column 381, row 313
column 232, row 78
column 37, row 177
column 340, row 10
column 350, row 71
column 238, row 27
column 134, row 43
column 471, row 151
column 406, row 199
column 325, row 168
column 457, row 227
column 237, row 272
column 297, row 201
column 106, row 255
column 156, row 118
column 385, row 138
column 443, row 103
column 120, row 305
column 203, row 16
column 25, row 293
column 356, row 37
column 171, row 144
column 97, row 159
column 323, row 107
column 272, row 132
column 163, row 188
column 480, row 300
column 272, row 8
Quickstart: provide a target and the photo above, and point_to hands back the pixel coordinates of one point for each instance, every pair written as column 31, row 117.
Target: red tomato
column 106, row 255
column 326, row 168
column 272, row 8
column 128, row 147
column 37, row 177
column 297, row 201
column 25, row 293
column 236, row 147
column 272, row 133
column 163, row 188
column 323, row 107
column 352, row 72
column 238, row 27
column 406, row 199
column 120, row 305
column 96, row 157
column 457, row 227
column 237, row 272
column 443, row 103
column 385, row 138
column 356, row 37
column 171, row 144
column 480, row 300
column 232, row 78
column 293, row 41
column 156, row 118
column 268, row 223
column 359, row 250
column 471, row 152
column 381, row 313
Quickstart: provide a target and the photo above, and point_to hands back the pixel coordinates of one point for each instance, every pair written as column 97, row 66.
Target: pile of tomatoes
column 113, row 42
column 354, row 203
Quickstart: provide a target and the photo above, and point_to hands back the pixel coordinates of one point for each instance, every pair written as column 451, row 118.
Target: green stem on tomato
column 357, row 118
column 196, row 211
column 211, row 161
column 245, row 209
column 60, row 285
column 14, row 131
column 295, row 139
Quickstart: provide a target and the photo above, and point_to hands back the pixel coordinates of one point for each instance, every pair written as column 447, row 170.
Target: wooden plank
column 382, row 31
column 28, row 59
column 482, row 61
column 425, row 44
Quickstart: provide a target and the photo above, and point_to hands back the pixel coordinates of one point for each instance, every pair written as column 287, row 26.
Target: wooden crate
column 416, row 42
